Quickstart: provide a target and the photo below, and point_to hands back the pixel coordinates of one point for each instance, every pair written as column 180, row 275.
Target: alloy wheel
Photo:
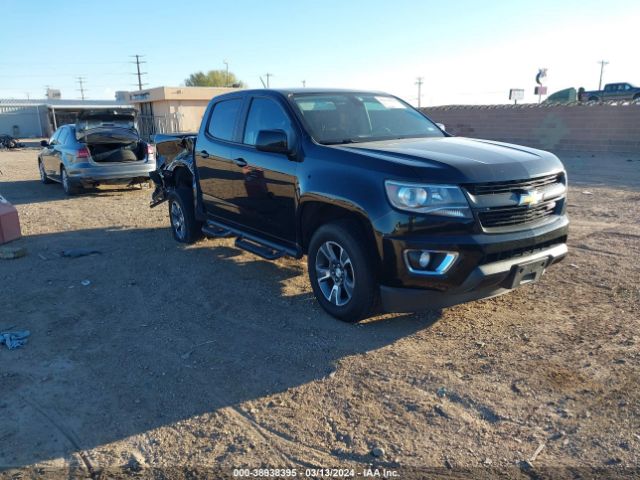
column 177, row 220
column 334, row 273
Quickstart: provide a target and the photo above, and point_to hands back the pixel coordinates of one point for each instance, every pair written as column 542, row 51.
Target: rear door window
column 54, row 138
column 223, row 119
column 64, row 136
column 265, row 114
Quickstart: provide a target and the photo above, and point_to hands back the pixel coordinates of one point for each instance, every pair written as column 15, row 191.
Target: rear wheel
column 43, row 174
column 342, row 271
column 67, row 185
column 184, row 226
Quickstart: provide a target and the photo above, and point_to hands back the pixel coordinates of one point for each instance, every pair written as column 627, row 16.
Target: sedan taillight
column 83, row 153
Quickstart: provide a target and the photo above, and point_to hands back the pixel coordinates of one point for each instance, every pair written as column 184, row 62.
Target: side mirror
column 274, row 141
column 441, row 126
column 44, row 143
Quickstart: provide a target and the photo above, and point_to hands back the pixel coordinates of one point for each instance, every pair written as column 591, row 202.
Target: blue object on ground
column 14, row 339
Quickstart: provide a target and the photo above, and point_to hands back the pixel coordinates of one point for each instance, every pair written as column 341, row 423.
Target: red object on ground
column 9, row 222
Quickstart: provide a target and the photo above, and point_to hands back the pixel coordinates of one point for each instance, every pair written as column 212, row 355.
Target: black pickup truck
column 393, row 213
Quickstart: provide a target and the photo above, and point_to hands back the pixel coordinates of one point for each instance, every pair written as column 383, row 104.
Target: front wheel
column 43, row 174
column 342, row 271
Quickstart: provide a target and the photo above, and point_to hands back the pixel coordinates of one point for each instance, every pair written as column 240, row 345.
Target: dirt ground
column 188, row 362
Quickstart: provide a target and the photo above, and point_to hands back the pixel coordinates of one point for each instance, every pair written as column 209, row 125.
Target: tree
column 214, row 78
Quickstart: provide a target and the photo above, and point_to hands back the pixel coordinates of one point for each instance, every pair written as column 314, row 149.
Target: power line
column 138, row 62
column 419, row 82
column 602, row 64
column 82, row 89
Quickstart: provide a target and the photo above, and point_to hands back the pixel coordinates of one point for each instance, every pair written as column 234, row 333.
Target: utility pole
column 82, row 89
column 602, row 64
column 226, row 81
column 419, row 82
column 304, row 84
column 139, row 62
column 268, row 75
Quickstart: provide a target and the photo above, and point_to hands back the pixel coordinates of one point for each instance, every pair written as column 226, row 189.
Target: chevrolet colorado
column 393, row 213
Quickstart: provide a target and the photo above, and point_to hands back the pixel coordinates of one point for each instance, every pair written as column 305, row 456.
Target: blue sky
column 467, row 51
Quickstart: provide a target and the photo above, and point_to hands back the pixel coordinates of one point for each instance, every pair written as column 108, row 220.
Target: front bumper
column 113, row 173
column 484, row 281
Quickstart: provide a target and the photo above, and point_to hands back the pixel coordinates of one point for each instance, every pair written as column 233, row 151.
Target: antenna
column 139, row 62
column 82, row 88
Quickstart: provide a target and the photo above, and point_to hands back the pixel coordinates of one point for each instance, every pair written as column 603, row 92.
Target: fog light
column 429, row 262
column 423, row 261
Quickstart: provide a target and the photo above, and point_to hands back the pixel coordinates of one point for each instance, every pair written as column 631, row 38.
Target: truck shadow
column 161, row 334
column 21, row 192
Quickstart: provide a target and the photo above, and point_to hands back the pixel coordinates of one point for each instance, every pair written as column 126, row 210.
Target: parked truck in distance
column 611, row 91
column 393, row 213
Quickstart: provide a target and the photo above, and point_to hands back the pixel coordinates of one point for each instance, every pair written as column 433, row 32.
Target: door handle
column 241, row 162
column 204, row 154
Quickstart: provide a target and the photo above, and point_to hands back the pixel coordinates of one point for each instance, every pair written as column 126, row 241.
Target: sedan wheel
column 43, row 174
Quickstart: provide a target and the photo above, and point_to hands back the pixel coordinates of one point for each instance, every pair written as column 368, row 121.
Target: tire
column 184, row 226
column 68, row 186
column 43, row 175
column 345, row 286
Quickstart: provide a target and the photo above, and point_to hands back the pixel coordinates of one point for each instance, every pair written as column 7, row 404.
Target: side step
column 259, row 249
column 251, row 243
column 216, row 231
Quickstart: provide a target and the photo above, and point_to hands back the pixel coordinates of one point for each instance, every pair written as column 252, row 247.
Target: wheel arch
column 313, row 213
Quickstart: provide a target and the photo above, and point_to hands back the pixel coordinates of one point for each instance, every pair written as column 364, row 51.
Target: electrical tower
column 419, row 82
column 139, row 74
column 82, row 88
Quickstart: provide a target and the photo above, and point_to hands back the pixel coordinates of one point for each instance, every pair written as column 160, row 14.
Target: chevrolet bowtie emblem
column 530, row 198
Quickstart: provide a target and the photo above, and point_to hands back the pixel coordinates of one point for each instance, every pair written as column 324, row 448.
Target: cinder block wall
column 573, row 127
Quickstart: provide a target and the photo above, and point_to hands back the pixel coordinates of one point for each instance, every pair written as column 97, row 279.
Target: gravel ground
column 188, row 362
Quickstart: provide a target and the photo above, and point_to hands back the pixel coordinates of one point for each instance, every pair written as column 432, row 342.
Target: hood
column 461, row 160
column 90, row 121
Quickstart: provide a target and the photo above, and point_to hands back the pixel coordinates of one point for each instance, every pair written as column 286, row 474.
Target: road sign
column 516, row 94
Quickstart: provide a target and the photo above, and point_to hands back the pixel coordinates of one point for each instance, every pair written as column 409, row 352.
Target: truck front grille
column 507, row 216
column 490, row 188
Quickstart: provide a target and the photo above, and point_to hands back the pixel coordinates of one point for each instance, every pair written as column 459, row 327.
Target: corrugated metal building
column 41, row 117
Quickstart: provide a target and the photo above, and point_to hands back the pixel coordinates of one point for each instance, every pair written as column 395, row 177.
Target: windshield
column 361, row 117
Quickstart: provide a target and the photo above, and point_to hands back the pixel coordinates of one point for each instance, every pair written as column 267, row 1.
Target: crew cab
column 611, row 91
column 393, row 213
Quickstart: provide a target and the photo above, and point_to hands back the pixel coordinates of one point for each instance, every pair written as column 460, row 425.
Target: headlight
column 447, row 200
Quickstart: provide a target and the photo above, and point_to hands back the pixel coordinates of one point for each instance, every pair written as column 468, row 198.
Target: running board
column 259, row 249
column 249, row 242
column 216, row 231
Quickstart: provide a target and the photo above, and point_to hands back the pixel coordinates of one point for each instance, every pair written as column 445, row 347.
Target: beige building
column 172, row 109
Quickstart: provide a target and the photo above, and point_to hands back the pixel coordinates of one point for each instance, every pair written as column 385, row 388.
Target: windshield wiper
column 345, row 140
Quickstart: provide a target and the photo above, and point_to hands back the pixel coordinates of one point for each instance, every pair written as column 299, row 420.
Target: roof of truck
column 288, row 91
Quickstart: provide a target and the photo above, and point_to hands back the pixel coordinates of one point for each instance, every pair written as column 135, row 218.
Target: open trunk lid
column 113, row 125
